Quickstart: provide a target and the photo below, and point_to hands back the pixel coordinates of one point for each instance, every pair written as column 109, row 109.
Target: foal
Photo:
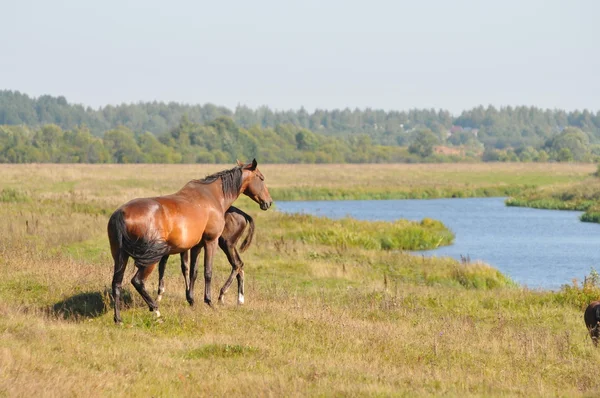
column 592, row 320
column 235, row 224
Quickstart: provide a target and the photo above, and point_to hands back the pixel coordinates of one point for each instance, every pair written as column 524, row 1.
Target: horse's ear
column 251, row 166
column 239, row 163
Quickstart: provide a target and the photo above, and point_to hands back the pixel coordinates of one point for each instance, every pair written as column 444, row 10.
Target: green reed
column 349, row 232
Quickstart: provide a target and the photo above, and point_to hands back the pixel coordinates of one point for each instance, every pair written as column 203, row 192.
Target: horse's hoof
column 191, row 302
column 240, row 299
column 221, row 301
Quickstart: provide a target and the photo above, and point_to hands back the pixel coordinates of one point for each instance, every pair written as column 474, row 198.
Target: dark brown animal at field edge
column 146, row 229
column 592, row 320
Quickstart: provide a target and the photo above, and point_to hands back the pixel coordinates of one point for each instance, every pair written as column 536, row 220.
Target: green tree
column 423, row 143
column 542, row 156
column 154, row 151
column 573, row 139
column 306, row 140
column 564, row 155
column 122, row 146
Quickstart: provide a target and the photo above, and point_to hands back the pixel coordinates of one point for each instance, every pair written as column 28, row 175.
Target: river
column 536, row 248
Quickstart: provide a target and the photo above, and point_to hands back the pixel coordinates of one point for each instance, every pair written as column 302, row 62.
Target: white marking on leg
column 159, row 297
column 157, row 312
column 240, row 298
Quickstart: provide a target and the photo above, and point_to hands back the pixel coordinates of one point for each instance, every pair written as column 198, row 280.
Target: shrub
column 581, row 296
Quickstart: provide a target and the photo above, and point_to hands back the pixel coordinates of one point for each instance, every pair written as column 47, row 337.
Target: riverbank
column 320, row 318
column 582, row 196
column 540, row 249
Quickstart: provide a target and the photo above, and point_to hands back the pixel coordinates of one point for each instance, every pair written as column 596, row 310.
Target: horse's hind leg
column 117, row 281
column 138, row 282
column 161, row 273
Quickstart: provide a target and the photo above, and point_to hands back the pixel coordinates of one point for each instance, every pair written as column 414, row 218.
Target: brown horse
column 193, row 218
column 236, row 222
column 592, row 320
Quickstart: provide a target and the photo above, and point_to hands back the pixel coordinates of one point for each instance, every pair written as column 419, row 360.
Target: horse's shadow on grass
column 88, row 305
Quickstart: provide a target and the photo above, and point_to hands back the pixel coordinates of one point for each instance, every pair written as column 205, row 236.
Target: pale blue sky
column 395, row 55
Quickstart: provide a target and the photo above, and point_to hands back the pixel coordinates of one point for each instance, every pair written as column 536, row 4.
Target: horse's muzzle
column 265, row 205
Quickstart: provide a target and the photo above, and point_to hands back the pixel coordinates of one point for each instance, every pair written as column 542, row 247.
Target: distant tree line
column 218, row 141
column 50, row 129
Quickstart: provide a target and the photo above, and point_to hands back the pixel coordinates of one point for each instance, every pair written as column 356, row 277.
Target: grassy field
column 322, row 317
column 420, row 181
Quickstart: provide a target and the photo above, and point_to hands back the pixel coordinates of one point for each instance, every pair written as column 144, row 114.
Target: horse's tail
column 115, row 236
column 145, row 250
column 248, row 239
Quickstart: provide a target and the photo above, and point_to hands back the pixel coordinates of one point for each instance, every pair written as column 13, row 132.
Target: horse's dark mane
column 231, row 180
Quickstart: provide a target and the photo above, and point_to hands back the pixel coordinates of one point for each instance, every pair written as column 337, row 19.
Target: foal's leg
column 236, row 264
column 209, row 252
column 185, row 261
column 139, row 280
column 119, row 271
column 240, row 281
column 189, row 293
column 161, row 274
column 185, row 264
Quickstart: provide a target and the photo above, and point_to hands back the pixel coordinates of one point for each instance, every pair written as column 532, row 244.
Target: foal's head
column 254, row 185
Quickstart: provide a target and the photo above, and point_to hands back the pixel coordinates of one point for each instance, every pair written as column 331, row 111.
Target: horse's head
column 254, row 185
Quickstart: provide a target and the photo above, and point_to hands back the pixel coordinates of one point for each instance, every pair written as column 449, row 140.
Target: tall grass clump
column 480, row 276
column 590, row 217
column 11, row 195
column 581, row 295
column 348, row 232
column 592, row 213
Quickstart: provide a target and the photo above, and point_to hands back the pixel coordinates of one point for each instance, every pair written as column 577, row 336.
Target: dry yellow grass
column 318, row 320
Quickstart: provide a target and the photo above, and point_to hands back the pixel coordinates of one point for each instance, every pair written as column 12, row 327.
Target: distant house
column 444, row 150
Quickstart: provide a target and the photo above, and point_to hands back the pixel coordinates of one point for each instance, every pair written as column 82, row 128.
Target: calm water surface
column 536, row 248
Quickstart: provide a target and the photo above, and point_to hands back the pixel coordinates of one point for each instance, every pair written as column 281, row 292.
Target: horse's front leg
column 189, row 292
column 209, row 251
